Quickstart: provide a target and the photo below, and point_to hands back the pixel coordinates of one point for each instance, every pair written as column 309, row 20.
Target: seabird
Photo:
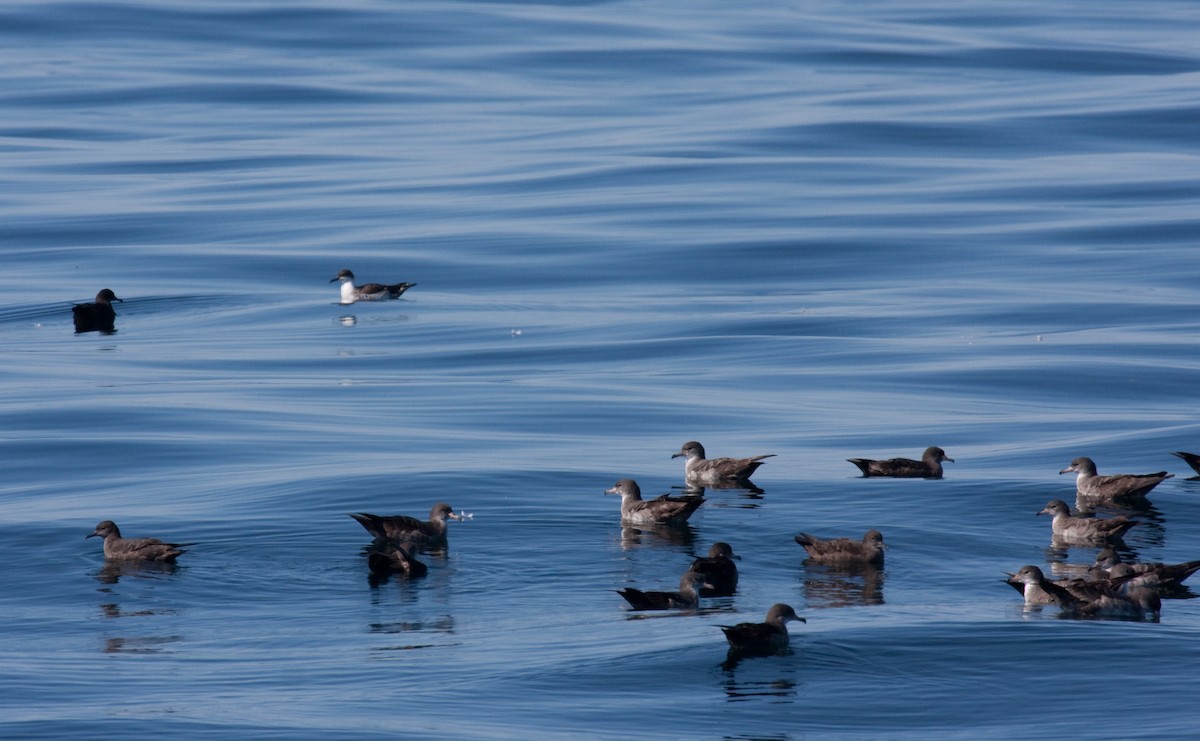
column 699, row 469
column 688, row 595
column 1191, row 459
column 407, row 529
column 1130, row 596
column 1114, row 487
column 395, row 559
column 1170, row 576
column 765, row 637
column 1083, row 530
column 367, row 291
column 844, row 550
column 664, row 510
column 929, row 467
column 117, row 548
column 98, row 316
column 719, row 570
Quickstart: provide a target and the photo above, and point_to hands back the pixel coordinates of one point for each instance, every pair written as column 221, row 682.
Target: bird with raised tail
column 844, row 550
column 769, row 636
column 1114, row 487
column 1170, row 575
column 1130, row 596
column 1191, row 459
column 929, row 467
column 664, row 510
column 688, row 596
column 701, row 470
column 117, row 548
column 1083, row 530
column 410, row 530
column 367, row 291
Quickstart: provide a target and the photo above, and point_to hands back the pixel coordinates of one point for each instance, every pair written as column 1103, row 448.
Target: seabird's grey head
column 106, row 296
column 937, row 454
column 1080, row 465
column 720, row 548
column 626, row 488
column 342, row 275
column 104, row 529
column 1028, row 575
column 691, row 449
column 1055, row 507
column 781, row 613
column 441, row 511
column 874, row 537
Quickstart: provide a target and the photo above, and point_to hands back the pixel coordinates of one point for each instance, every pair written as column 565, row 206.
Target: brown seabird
column 929, row 467
column 766, row 637
column 719, row 570
column 407, row 529
column 367, row 291
column 117, row 548
column 687, row 597
column 98, row 316
column 844, row 550
column 1130, row 596
column 1170, row 576
column 664, row 510
column 1083, row 530
column 701, row 470
column 1114, row 487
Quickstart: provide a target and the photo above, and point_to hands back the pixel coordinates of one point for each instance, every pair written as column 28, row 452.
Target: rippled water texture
column 820, row 231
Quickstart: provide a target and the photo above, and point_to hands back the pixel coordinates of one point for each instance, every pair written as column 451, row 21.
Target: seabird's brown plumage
column 844, row 550
column 687, row 597
column 1114, row 487
column 765, row 637
column 664, row 510
column 1083, row 530
column 117, row 548
column 98, row 316
column 407, row 529
column 719, row 570
column 929, row 467
column 699, row 469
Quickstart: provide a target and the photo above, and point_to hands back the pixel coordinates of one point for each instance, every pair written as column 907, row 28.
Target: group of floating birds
column 99, row 315
column 1108, row 588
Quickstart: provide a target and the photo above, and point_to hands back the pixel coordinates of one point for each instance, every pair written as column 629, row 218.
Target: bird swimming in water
column 664, row 510
column 117, row 548
column 688, row 595
column 767, row 637
column 409, row 530
column 702, row 470
column 1083, row 530
column 1114, row 487
column 367, row 291
column 844, row 550
column 98, row 316
column 719, row 570
column 929, row 467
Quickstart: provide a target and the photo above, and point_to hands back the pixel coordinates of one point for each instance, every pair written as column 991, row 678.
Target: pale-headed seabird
column 929, row 467
column 1170, row 575
column 719, row 570
column 1114, row 487
column 395, row 559
column 98, row 316
column 702, row 470
column 117, row 548
column 367, row 291
column 1131, row 596
column 664, row 510
column 687, row 597
column 1083, row 530
column 1191, row 459
column 765, row 637
column 844, row 550
column 405, row 529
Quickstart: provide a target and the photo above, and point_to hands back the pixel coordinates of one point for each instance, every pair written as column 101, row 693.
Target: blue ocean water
column 820, row 231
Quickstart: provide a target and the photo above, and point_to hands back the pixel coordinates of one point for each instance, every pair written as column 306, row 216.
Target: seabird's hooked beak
column 678, row 455
column 93, row 534
column 612, row 491
column 453, row 516
column 1068, row 469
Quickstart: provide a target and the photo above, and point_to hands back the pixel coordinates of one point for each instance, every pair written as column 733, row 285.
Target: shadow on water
column 636, row 536
column 843, row 585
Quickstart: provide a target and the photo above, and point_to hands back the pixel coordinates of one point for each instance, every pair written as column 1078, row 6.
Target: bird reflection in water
column 112, row 571
column 657, row 535
column 843, row 585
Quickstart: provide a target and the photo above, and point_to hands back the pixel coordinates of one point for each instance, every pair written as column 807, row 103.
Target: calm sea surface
column 820, row 230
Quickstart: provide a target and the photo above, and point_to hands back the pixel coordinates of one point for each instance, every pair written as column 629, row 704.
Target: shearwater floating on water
column 367, row 291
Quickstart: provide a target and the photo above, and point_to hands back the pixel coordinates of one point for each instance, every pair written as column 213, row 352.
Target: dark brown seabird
column 117, row 548
column 687, row 597
column 395, row 559
column 1083, row 530
column 701, row 470
column 1114, row 487
column 844, row 550
column 719, row 570
column 929, row 467
column 407, row 529
column 98, row 316
column 367, row 291
column 1191, row 459
column 664, row 510
column 766, row 637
